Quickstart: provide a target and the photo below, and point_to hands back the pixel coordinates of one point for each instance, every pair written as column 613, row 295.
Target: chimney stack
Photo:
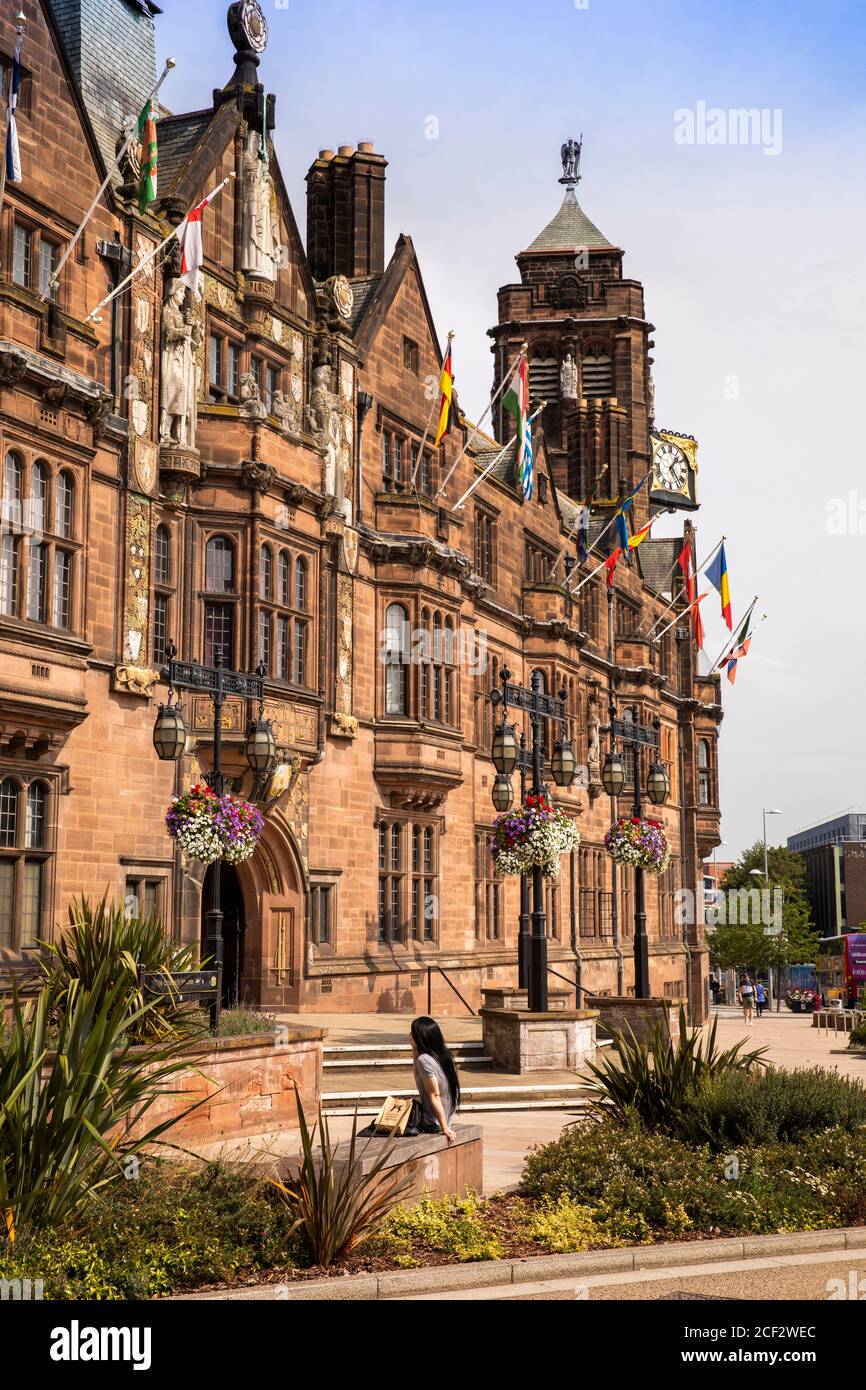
column 346, row 212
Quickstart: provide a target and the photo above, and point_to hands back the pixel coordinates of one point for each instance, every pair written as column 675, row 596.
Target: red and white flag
column 191, row 249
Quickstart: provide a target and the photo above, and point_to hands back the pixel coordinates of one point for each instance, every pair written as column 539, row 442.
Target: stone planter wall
column 512, row 997
column 247, row 1085
column 618, row 1013
column 435, row 1167
column 520, row 1042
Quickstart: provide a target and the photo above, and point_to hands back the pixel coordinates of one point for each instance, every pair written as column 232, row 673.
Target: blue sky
column 753, row 266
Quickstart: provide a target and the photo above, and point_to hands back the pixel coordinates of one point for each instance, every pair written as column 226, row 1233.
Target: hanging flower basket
column 638, row 844
column 538, row 835
column 210, row 827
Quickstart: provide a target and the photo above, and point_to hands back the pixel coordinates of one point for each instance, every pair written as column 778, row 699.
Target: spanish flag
column 639, row 536
column 717, row 573
column 446, row 390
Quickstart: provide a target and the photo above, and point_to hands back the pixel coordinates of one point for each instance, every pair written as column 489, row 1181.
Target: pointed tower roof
column 570, row 230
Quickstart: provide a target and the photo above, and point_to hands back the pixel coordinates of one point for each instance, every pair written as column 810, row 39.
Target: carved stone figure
column 570, row 154
column 285, row 411
column 260, row 236
column 138, row 680
column 332, row 430
column 252, row 407
column 181, row 338
column 568, row 378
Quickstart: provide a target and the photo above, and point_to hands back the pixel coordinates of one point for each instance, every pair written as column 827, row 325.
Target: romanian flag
column 684, row 560
column 717, row 573
column 446, row 391
column 639, row 536
column 610, row 565
column 147, row 139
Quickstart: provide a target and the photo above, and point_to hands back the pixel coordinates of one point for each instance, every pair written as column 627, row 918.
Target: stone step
column 514, row 1095
column 576, row 1107
column 347, row 1064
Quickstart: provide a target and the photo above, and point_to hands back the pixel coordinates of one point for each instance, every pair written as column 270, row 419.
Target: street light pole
column 214, row 916
column 523, row 946
column 537, row 980
column 769, row 811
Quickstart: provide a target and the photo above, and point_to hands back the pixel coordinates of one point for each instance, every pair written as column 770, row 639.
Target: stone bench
column 435, row 1167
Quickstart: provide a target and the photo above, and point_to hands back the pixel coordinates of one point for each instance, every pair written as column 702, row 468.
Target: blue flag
column 13, row 152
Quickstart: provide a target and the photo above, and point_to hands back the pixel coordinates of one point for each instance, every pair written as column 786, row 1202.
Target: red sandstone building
column 275, row 516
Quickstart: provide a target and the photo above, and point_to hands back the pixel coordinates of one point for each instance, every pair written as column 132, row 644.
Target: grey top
column 426, row 1065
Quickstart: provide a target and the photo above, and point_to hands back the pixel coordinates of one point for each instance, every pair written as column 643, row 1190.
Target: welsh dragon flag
column 516, row 402
column 149, row 162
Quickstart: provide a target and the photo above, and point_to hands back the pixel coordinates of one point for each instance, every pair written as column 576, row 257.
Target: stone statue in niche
column 284, row 410
column 252, row 407
column 260, row 233
column 181, row 339
column 333, row 433
column 594, row 744
column 568, row 378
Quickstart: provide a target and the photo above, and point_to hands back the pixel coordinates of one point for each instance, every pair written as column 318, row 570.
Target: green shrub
column 174, row 1228
column 655, row 1080
column 235, row 1023
column 772, row 1106
column 448, row 1225
column 857, row 1036
column 642, row 1186
column 565, row 1226
column 103, row 936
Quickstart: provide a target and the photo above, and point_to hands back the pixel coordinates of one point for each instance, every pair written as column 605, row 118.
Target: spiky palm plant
column 102, row 933
column 334, row 1207
column 68, row 1090
column 655, row 1080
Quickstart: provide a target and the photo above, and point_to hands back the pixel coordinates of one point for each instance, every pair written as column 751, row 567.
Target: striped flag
column 446, row 391
column 717, row 573
column 13, row 152
column 739, row 650
column 516, row 402
column 610, row 565
column 191, row 249
column 639, row 536
column 684, row 560
column 149, row 158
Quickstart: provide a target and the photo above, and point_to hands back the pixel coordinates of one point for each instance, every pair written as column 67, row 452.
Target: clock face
column 671, row 468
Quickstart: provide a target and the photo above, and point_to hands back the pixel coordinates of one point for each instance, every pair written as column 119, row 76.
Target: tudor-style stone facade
column 288, row 530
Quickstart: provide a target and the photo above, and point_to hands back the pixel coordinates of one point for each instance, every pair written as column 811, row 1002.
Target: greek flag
column 13, row 153
column 526, row 462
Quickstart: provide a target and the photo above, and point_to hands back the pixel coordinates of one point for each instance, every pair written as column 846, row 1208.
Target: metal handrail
column 430, row 969
column 574, row 983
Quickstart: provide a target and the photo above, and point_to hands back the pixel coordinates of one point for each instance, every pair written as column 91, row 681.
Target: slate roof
column 656, row 558
column 363, row 287
column 570, row 230
column 177, row 137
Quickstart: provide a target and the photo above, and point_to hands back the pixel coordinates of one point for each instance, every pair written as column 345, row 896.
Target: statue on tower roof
column 570, row 154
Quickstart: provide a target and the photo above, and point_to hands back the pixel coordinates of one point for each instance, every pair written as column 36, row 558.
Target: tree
column 786, row 936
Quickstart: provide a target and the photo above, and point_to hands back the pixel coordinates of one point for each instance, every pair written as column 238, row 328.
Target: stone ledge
column 443, row 1278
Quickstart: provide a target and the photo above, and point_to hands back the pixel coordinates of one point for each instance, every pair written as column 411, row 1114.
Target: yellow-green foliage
column 452, row 1225
column 564, row 1226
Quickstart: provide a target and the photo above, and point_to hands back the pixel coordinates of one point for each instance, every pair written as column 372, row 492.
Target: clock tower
column 589, row 350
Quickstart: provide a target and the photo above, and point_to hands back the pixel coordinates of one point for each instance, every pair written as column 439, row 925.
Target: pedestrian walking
column 760, row 998
column 747, row 998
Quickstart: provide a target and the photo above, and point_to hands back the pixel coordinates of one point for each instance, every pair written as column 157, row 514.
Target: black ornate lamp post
column 169, row 740
column 506, row 756
column 613, row 777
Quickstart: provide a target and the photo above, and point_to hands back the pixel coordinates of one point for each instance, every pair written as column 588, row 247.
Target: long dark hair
column 427, row 1037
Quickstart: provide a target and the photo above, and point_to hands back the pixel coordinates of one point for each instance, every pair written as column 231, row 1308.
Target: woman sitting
column 435, row 1077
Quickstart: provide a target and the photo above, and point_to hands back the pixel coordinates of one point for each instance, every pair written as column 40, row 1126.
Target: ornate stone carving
column 97, row 412
column 257, row 477
column 135, row 617
column 594, row 746
column 252, row 407
column 181, row 338
column 54, row 394
column 285, row 411
column 12, row 368
column 331, row 426
column 260, row 233
column 345, row 653
column 136, row 680
column 568, row 378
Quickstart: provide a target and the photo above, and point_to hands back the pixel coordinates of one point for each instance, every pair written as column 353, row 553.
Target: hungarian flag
column 717, row 573
column 13, row 152
column 446, row 391
column 684, row 560
column 516, row 402
column 149, row 163
column 610, row 564
column 191, row 249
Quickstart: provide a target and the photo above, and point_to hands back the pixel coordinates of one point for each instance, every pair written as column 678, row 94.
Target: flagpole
column 169, row 64
column 603, row 532
column 597, row 570
column 506, row 381
column 502, row 452
column 682, row 613
column 430, row 421
column 732, row 640
column 20, row 27
column 580, row 511
column 150, row 256
column 674, row 597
